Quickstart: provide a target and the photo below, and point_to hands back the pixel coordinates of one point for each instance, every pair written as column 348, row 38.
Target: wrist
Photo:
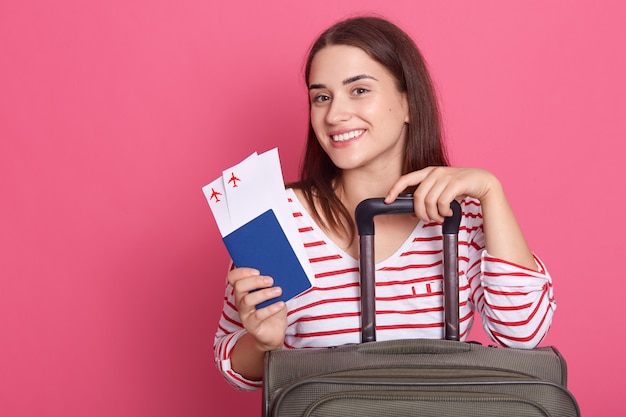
column 263, row 347
column 494, row 193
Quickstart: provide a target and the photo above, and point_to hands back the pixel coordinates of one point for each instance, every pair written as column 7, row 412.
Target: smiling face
column 357, row 112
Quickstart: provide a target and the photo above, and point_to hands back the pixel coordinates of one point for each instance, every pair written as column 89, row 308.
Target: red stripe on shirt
column 522, row 339
column 410, row 266
column 324, row 258
column 312, row 244
column 323, row 302
column 337, row 272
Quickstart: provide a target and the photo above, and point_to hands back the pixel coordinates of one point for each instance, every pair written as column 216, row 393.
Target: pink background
column 114, row 114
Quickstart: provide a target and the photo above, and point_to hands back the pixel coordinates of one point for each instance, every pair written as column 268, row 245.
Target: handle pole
column 451, row 273
column 368, row 288
column 451, row 286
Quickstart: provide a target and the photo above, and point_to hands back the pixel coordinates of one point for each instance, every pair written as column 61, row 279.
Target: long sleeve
column 516, row 304
column 228, row 333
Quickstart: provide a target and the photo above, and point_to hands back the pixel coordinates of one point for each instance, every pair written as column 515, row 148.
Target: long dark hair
column 391, row 47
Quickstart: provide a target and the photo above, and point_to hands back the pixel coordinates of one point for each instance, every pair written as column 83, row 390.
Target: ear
column 405, row 103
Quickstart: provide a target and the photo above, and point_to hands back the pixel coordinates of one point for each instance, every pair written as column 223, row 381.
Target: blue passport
column 262, row 244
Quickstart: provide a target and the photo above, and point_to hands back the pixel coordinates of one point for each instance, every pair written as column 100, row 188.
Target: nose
column 338, row 111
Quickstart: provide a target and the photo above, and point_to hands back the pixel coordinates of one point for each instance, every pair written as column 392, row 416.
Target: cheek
column 317, row 120
column 376, row 109
column 397, row 112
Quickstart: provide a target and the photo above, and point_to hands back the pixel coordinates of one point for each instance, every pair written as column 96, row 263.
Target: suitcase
column 415, row 377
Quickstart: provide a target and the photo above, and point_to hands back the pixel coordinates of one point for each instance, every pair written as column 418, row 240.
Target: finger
column 438, row 209
column 437, row 191
column 444, row 210
column 252, row 283
column 241, row 273
column 412, row 178
column 444, row 203
column 249, row 302
column 440, row 196
column 270, row 310
column 246, row 285
column 433, row 203
column 268, row 325
column 422, row 198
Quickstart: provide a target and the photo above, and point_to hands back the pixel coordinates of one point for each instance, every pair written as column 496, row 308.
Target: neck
column 358, row 186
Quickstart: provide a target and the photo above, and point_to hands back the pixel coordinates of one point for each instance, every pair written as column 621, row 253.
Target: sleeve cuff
column 222, row 362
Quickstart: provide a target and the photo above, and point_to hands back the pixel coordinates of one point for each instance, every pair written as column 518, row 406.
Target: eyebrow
column 345, row 82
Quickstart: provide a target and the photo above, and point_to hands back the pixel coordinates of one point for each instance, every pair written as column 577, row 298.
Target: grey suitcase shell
column 415, row 377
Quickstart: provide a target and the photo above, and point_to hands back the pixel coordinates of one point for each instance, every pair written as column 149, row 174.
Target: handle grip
column 367, row 209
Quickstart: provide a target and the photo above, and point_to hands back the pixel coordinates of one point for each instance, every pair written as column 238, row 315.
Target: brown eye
column 320, row 98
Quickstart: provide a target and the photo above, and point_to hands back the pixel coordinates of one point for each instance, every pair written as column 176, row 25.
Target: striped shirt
column 516, row 304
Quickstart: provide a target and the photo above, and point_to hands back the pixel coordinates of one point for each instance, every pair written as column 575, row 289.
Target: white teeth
column 346, row 136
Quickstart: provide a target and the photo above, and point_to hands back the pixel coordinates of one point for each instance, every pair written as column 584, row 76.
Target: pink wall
column 114, row 114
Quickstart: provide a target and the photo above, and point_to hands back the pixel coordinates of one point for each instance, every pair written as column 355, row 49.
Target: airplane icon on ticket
column 234, row 180
column 215, row 194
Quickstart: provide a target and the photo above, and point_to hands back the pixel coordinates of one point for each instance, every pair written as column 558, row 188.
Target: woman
column 375, row 131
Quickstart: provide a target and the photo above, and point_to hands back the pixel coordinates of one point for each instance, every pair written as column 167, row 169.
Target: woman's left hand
column 438, row 186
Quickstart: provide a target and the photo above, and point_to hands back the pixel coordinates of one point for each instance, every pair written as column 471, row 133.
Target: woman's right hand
column 266, row 325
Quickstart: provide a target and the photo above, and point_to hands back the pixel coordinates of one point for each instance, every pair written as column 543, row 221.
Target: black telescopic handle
column 450, row 229
column 367, row 209
column 365, row 212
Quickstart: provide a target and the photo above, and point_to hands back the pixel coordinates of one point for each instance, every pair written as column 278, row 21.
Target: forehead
column 335, row 63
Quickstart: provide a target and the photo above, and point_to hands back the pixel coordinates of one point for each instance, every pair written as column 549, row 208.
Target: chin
column 347, row 163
